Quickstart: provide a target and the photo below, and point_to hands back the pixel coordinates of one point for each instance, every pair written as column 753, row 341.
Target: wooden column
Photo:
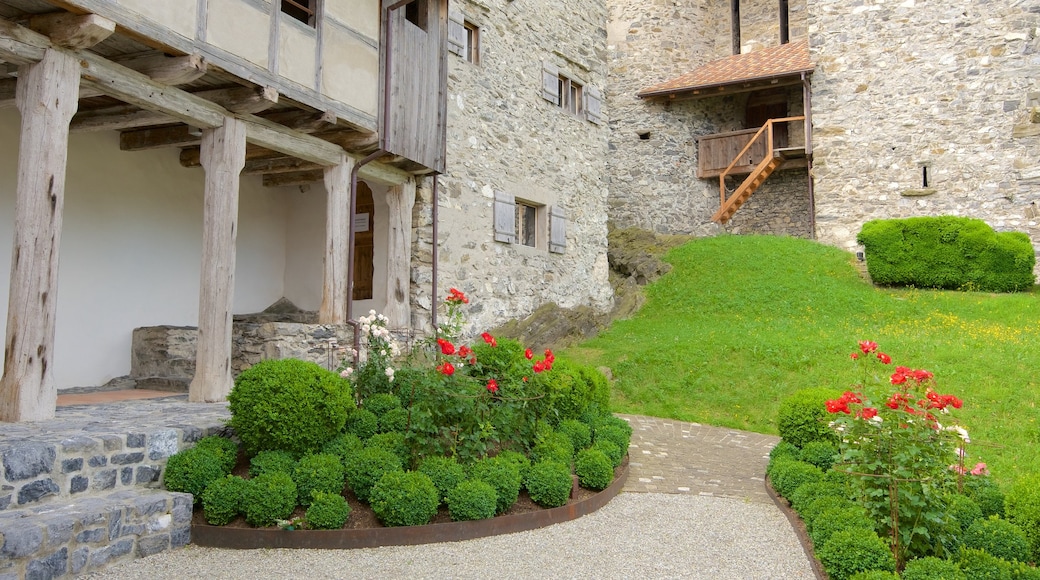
column 223, row 155
column 46, row 96
column 400, row 199
column 335, row 292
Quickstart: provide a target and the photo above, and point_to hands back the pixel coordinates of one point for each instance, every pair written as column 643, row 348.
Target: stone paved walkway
column 669, row 456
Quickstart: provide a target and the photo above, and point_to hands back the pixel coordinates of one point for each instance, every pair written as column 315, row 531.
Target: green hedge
column 953, row 253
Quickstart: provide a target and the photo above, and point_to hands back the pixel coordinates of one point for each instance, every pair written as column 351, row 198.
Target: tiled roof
column 766, row 63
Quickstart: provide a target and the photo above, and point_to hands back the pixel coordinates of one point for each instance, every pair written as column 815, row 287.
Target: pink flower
column 980, row 469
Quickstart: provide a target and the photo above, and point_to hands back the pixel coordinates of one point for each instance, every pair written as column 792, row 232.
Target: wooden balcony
column 716, row 152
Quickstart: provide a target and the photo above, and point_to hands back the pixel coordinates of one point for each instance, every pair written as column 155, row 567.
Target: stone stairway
column 84, row 490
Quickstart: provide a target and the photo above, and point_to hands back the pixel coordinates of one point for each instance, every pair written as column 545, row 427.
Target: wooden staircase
column 729, row 205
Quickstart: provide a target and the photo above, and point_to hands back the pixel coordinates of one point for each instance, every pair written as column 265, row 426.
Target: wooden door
column 364, row 243
column 765, row 105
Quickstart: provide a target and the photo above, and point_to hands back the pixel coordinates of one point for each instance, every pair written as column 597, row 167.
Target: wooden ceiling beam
column 291, row 179
column 168, row 70
column 122, row 117
column 74, row 31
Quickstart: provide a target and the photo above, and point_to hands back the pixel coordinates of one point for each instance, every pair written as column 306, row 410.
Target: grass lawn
column 743, row 321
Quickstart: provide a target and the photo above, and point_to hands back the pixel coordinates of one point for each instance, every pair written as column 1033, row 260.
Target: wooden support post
column 223, row 155
column 47, row 98
column 400, row 199
column 335, row 292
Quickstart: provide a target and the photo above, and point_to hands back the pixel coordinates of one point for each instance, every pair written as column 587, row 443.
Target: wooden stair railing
column 729, row 206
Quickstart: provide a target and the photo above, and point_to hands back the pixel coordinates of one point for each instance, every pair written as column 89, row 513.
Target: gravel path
column 637, row 535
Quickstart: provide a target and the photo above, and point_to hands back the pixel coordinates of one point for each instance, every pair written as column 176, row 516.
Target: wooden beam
column 223, row 154
column 303, row 121
column 168, row 70
column 335, row 290
column 292, row 179
column 400, row 200
column 75, row 31
column 373, row 172
column 122, row 117
column 268, row 134
column 47, row 100
column 157, row 137
column 192, row 156
column 278, row 165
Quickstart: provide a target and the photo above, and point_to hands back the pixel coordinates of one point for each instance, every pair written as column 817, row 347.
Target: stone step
column 86, row 534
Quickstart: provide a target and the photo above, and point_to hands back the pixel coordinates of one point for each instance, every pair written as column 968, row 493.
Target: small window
column 472, row 48
column 417, row 12
column 526, row 224
column 302, row 10
column 570, row 94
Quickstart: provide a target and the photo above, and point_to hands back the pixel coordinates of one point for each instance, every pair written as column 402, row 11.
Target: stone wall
column 779, row 207
column 504, row 136
column 900, row 86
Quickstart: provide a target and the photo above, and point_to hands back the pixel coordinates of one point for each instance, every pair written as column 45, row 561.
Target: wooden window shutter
column 557, row 230
column 593, row 104
column 551, row 83
column 505, row 217
column 456, row 33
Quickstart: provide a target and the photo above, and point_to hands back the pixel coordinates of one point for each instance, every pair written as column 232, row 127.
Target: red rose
column 489, row 339
column 884, row 358
column 446, row 346
column 446, row 368
column 529, row 354
column 492, row 385
column 868, row 413
column 539, row 366
column 867, row 346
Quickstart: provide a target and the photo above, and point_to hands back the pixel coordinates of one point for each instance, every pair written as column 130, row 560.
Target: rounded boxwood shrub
column 393, row 420
column 1023, row 571
column 320, row 472
column 268, row 498
column 191, row 470
column 963, row 510
column 518, row 459
column 223, row 448
column 222, row 499
column 471, row 500
column 328, row 511
column 932, row 568
column 999, row 537
column 836, row 520
column 404, row 498
column 981, row 565
column 787, row 475
column 288, row 404
column 579, row 433
column 366, row 467
column 549, row 483
column 271, row 461
column 343, row 446
column 362, row 423
column 815, row 507
column 611, row 450
column 394, row 443
column 1022, row 508
column 802, row 417
column 503, row 475
column 616, row 430
column 810, row 491
column 445, row 472
column 379, row 403
column 874, row 575
column 857, row 550
column 553, row 446
column 593, row 469
column 819, row 453
column 784, row 449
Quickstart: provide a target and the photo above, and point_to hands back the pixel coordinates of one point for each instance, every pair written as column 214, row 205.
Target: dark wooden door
column 765, row 105
column 364, row 244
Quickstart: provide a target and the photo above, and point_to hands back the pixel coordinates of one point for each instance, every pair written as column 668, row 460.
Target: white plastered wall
column 131, row 249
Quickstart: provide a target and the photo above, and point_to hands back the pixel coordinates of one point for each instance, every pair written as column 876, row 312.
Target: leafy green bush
column 1023, row 571
column 611, row 450
column 947, row 252
column 222, row 499
column 802, row 417
column 503, row 475
column 404, row 498
column 593, row 469
column 393, row 420
column 932, row 568
column 579, row 433
column 987, row 494
column 549, row 483
column 963, row 510
column 393, row 442
column 445, row 473
column 999, row 537
column 191, row 470
column 379, row 403
column 787, row 475
column 271, row 461
column 362, row 423
column 810, row 491
column 819, row 453
column 225, row 449
column 366, row 467
column 1022, row 507
column 815, row 507
column 288, row 404
column 857, row 550
column 874, row 575
column 573, row 388
column 554, row 446
column 518, row 459
column 343, row 446
column 785, row 449
column 614, row 433
column 320, row 472
column 268, row 498
column 328, row 511
column 836, row 520
column 981, row 565
column 471, row 500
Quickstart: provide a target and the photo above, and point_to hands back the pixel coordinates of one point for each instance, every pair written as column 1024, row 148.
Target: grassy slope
column 742, row 321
